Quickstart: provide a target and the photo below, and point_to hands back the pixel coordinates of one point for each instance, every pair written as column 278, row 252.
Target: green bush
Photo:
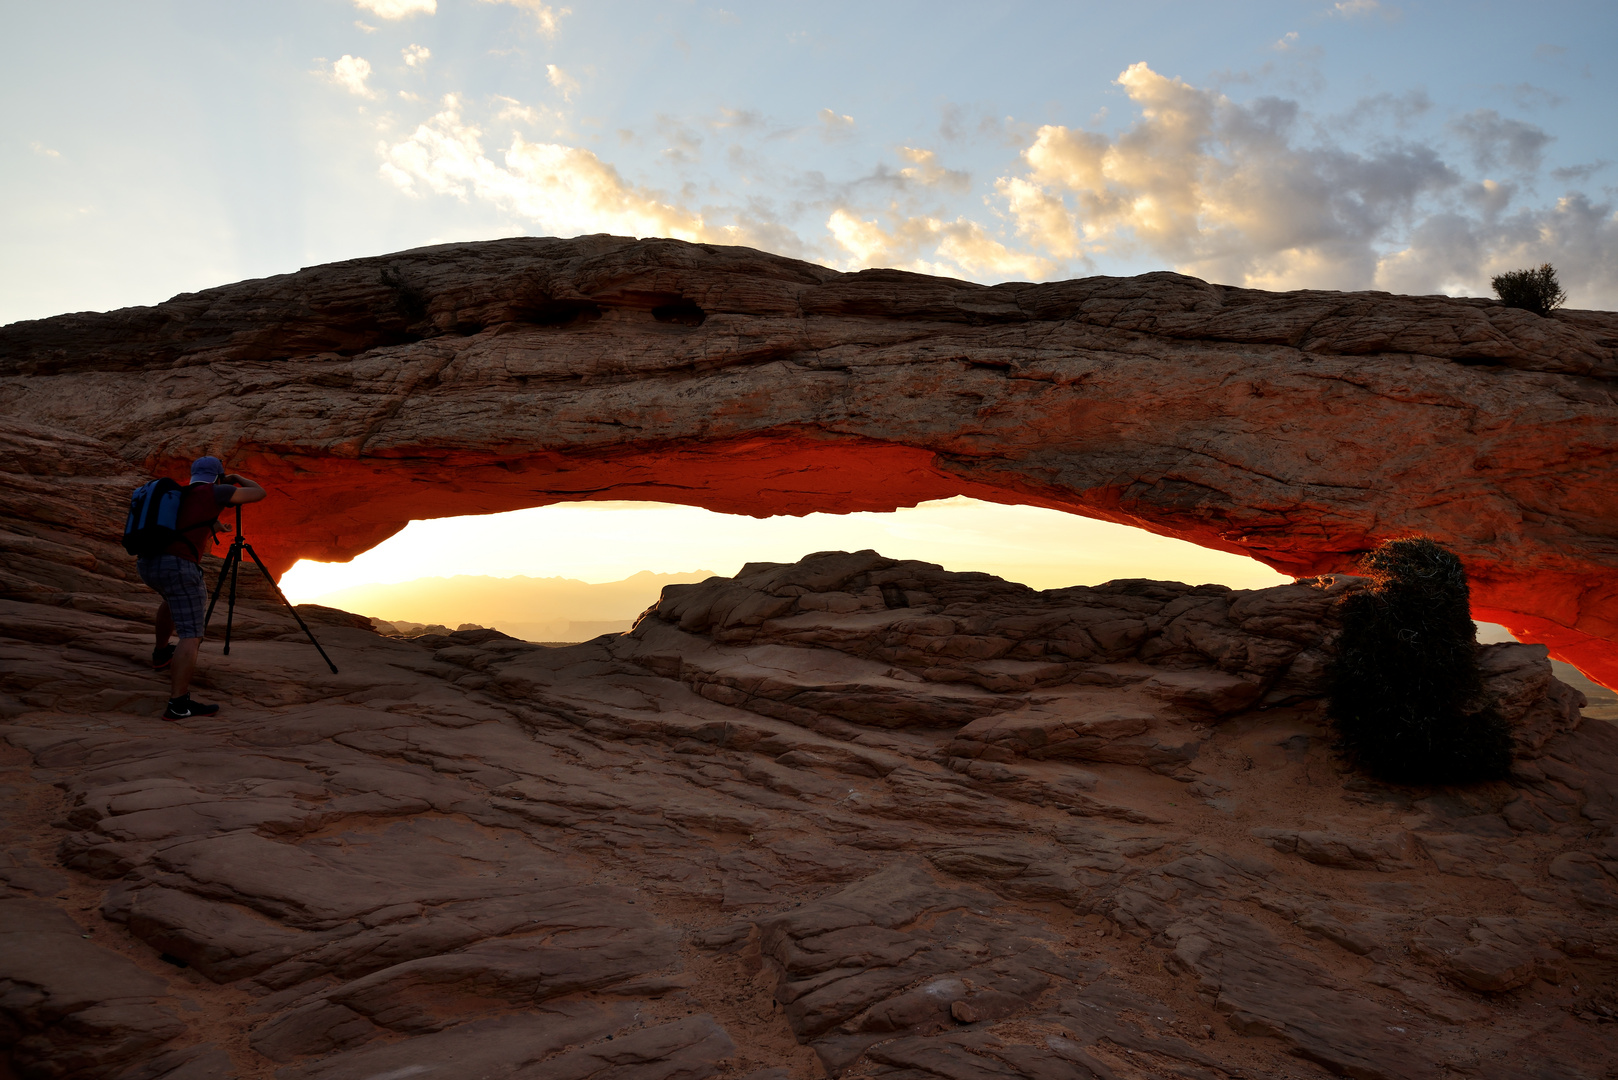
column 1405, row 689
column 1533, row 290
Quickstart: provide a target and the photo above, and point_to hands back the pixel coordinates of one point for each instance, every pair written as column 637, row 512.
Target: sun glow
column 610, row 541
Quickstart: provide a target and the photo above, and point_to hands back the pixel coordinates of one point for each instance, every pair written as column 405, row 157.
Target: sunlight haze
column 607, row 541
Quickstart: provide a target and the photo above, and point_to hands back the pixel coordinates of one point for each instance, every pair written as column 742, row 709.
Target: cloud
column 1491, row 197
column 1251, row 193
column 44, row 151
column 1256, row 192
column 1286, row 42
column 953, row 126
column 964, row 243
column 835, row 125
column 564, row 82
column 980, row 255
column 547, row 17
column 1579, row 236
column 684, row 144
column 1495, row 139
column 397, row 9
column 1454, row 253
column 1528, row 96
column 415, row 55
column 926, row 170
column 1218, row 189
column 564, row 190
column 1042, row 217
column 1357, row 9
column 866, row 241
column 1403, row 109
column 756, row 226
column 1572, row 173
column 350, row 72
column 1549, row 52
column 1443, row 255
column 514, row 110
column 738, row 120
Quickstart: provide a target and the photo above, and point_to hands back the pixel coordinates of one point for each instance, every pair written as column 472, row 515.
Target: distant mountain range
column 535, row 609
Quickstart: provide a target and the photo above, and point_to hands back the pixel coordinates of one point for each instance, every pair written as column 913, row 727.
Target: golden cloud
column 547, row 17
column 1216, row 189
column 397, row 9
column 567, row 190
column 350, row 72
column 966, row 247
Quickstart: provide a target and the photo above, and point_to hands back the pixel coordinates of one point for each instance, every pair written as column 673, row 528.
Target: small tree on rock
column 1532, row 290
column 1406, row 691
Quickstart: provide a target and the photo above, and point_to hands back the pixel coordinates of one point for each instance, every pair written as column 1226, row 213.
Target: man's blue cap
column 207, row 468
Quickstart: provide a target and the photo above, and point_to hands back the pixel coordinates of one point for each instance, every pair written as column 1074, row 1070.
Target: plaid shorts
column 179, row 581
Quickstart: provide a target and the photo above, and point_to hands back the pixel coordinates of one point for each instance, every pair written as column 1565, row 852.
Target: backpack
column 154, row 518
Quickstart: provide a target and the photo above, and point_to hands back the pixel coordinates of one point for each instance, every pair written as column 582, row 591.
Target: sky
column 159, row 147
column 595, row 541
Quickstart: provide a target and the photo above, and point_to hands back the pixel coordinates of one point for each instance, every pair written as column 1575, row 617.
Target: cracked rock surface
column 850, row 816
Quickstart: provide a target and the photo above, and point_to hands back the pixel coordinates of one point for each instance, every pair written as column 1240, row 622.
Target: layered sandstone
column 1298, row 428
column 849, row 816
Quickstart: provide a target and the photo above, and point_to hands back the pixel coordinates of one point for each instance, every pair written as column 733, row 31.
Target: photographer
column 176, row 575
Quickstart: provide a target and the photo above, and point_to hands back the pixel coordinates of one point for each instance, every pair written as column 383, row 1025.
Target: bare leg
column 165, row 624
column 184, row 665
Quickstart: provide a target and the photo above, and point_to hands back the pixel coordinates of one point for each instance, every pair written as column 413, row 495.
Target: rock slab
column 849, row 816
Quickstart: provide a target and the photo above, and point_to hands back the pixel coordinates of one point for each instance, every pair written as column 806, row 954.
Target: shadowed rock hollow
column 1298, row 428
column 849, row 817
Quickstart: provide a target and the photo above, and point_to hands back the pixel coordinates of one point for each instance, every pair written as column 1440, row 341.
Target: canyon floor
column 849, row 816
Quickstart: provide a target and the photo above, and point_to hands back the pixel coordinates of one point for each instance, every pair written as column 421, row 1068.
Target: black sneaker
column 183, row 708
column 161, row 656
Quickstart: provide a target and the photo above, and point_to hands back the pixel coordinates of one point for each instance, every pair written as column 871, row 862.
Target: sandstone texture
column 1298, row 428
column 848, row 817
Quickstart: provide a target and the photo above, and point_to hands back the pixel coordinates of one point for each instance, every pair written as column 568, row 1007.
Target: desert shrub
column 1533, row 290
column 1406, row 692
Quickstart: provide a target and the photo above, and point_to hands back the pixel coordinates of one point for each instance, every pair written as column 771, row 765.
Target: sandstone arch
column 1298, row 428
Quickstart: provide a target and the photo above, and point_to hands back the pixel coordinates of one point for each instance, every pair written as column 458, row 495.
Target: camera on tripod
column 231, row 567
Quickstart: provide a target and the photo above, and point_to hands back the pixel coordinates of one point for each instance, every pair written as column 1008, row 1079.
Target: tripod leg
column 220, row 584
column 230, row 612
column 290, row 608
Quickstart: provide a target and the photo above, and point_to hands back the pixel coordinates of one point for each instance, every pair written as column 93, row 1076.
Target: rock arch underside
column 1298, row 428
column 849, row 816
